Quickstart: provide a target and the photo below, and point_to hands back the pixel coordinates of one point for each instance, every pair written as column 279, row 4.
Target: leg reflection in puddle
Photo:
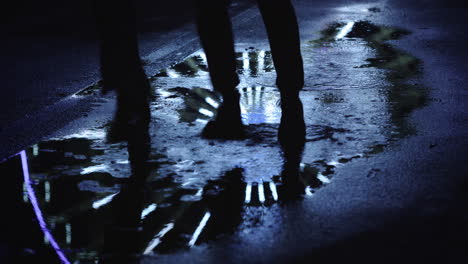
column 215, row 32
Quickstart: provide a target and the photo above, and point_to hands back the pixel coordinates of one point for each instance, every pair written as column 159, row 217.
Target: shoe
column 228, row 122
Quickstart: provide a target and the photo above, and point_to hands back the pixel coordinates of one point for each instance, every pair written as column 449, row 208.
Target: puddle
column 359, row 91
column 73, row 205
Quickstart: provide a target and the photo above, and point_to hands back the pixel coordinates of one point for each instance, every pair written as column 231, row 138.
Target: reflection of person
column 122, row 71
column 215, row 32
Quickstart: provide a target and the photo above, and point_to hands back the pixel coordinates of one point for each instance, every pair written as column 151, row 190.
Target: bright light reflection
column 104, row 201
column 148, row 210
column 333, row 163
column 157, row 239
column 171, row 73
column 203, row 57
column 96, row 168
column 323, row 178
column 248, row 193
column 345, row 30
column 206, row 112
column 199, row 229
column 245, row 59
column 261, row 60
column 308, row 191
column 244, row 114
column 273, row 191
column 261, row 192
column 88, row 134
column 211, row 102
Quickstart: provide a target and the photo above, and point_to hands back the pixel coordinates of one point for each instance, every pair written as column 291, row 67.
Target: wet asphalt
column 384, row 164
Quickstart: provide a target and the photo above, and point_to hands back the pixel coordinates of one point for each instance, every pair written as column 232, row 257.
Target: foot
column 291, row 133
column 228, row 122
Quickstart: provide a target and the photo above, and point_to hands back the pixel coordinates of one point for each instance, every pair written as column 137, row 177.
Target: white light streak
column 248, row 193
column 345, row 30
column 211, row 102
column 245, row 59
column 157, row 239
column 261, row 192
column 322, row 178
column 308, row 191
column 203, row 57
column 148, row 210
column 88, row 134
column 261, row 60
column 104, row 201
column 244, row 114
column 92, row 169
column 206, row 112
column 273, row 191
column 334, row 163
column 199, row 229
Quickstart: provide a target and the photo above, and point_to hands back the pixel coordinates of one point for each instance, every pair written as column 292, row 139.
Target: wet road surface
column 380, row 184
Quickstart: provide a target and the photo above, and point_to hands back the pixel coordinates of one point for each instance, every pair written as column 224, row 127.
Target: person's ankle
column 231, row 96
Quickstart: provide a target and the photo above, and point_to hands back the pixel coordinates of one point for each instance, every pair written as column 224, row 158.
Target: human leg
column 215, row 31
column 121, row 67
column 283, row 34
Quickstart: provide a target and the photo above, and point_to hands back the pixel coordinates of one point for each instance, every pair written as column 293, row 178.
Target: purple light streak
column 37, row 210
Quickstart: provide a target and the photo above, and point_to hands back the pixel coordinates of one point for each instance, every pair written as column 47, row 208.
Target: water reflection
column 259, row 105
column 194, row 66
column 251, row 62
column 96, row 202
column 400, row 91
column 132, row 216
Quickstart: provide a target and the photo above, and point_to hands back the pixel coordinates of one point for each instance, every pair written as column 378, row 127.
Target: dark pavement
column 385, row 164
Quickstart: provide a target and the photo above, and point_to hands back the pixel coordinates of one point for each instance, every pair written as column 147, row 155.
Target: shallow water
column 359, row 90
